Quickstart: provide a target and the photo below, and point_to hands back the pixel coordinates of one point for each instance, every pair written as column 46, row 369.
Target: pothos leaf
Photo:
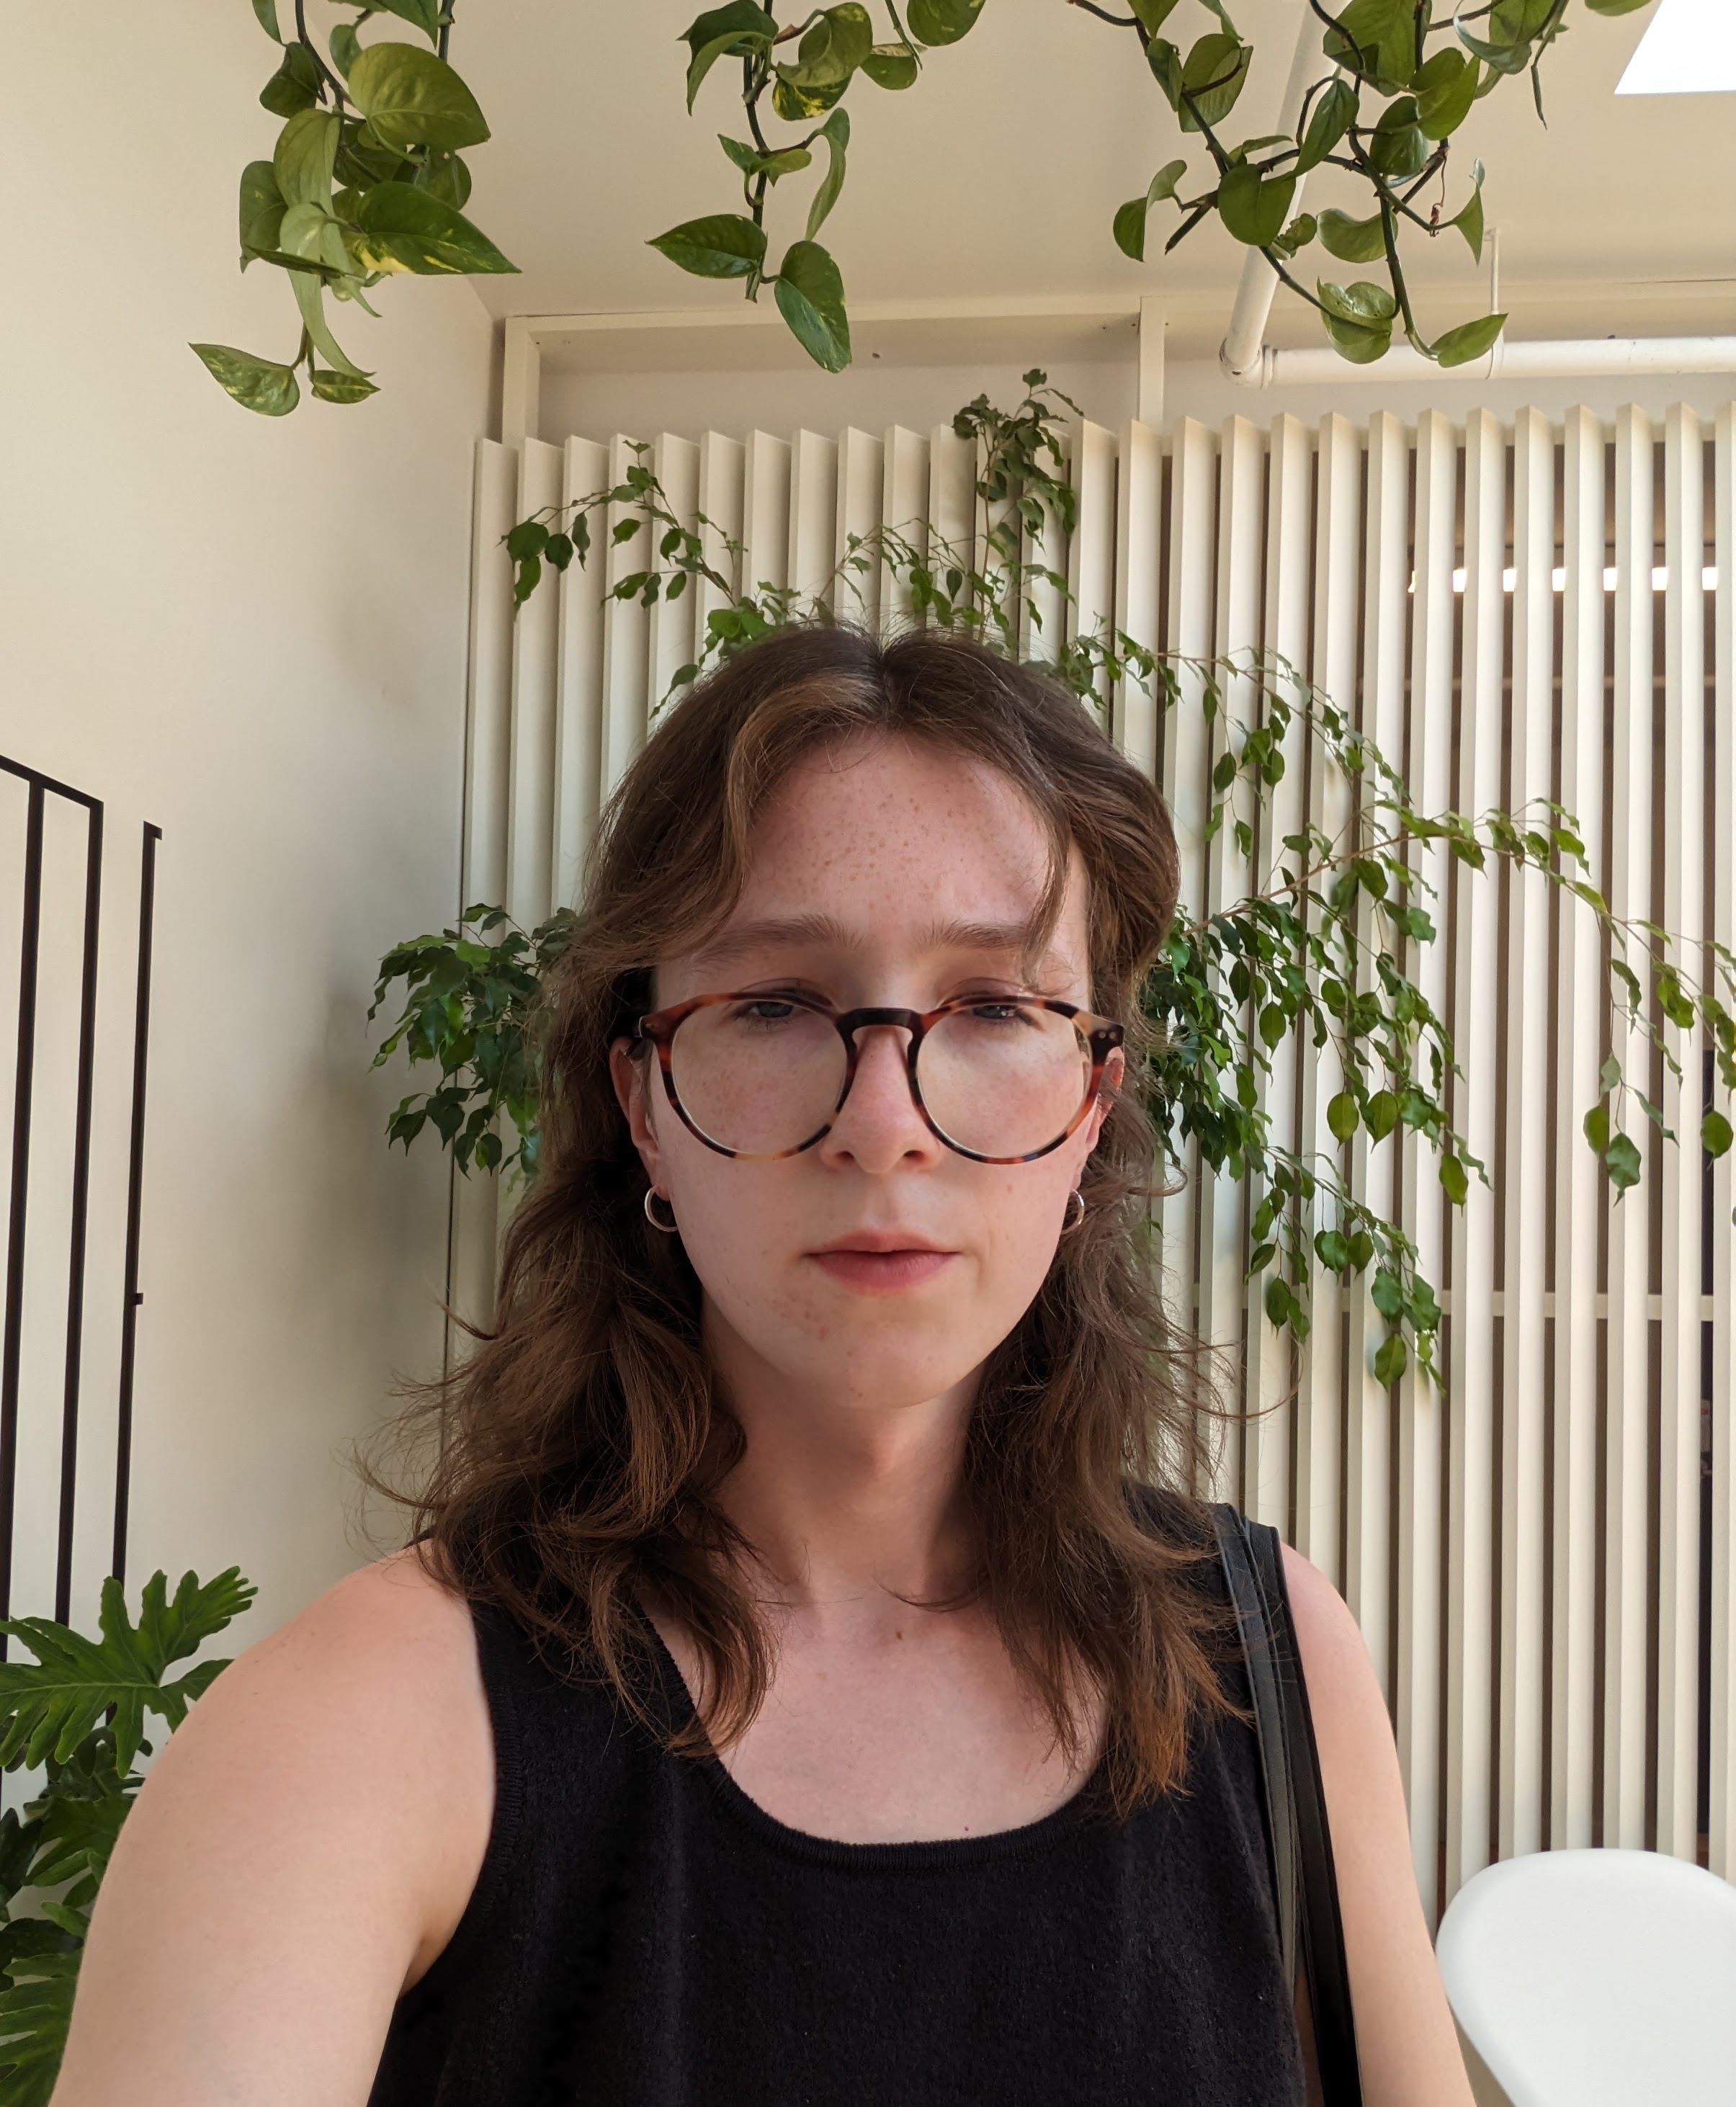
column 836, row 133
column 810, row 297
column 256, row 384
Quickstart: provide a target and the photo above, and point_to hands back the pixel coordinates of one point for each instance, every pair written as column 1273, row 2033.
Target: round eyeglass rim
column 1102, row 1035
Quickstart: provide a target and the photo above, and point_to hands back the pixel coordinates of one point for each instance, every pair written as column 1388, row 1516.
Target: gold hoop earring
column 1075, row 1212
column 652, row 1196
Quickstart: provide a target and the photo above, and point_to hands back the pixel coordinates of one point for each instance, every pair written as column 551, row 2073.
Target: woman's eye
column 766, row 1010
column 989, row 1011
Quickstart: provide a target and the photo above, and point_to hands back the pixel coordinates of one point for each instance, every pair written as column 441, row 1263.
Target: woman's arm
column 301, row 1852
column 1405, row 2039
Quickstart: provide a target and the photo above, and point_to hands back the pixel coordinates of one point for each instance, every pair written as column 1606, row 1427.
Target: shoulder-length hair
column 584, row 1440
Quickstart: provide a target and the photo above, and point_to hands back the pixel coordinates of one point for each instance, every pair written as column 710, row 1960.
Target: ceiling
column 997, row 174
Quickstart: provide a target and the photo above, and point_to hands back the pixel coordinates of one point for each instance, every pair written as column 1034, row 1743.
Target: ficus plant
column 1324, row 953
column 75, row 1716
column 366, row 179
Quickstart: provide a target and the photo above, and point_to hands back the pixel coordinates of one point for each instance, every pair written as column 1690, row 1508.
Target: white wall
column 252, row 633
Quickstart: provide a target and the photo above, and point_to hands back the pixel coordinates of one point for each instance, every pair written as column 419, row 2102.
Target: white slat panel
column 530, row 792
column 1684, row 913
column 1525, row 1172
column 1139, row 582
column 1223, row 1199
column 952, row 497
column 1722, row 1813
column 488, row 711
column 671, row 645
column 626, row 633
column 1090, row 553
column 1626, row 1545
column 1187, row 764
column 1417, row 1691
column 1337, row 604
column 765, row 527
column 578, row 722
column 1470, row 1639
column 861, row 496
column 813, row 516
column 1271, row 1381
column 906, row 512
column 1578, row 1196
column 722, row 478
column 1369, row 1433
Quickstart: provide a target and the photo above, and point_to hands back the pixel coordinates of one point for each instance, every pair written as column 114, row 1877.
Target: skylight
column 1689, row 48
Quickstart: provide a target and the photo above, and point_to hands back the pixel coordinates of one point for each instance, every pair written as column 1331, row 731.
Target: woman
column 797, row 1692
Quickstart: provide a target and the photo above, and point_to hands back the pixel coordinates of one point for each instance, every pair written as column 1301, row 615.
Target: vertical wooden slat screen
column 1491, row 605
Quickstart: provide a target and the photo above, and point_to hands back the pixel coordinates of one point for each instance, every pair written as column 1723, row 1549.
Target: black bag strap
column 1310, row 1929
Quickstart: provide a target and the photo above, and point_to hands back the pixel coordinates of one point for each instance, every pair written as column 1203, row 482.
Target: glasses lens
column 1004, row 1079
column 759, row 1076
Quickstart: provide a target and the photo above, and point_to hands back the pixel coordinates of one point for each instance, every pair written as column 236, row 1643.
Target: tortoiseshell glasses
column 1000, row 1080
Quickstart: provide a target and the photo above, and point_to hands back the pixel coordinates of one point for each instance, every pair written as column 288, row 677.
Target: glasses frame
column 1103, row 1036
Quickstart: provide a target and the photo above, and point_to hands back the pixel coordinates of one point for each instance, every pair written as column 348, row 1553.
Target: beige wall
column 253, row 633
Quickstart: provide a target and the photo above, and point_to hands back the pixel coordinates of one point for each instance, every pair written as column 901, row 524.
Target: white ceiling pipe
column 1567, row 359
column 1240, row 352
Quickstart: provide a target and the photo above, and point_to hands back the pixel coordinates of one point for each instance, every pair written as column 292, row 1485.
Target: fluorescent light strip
column 1689, row 48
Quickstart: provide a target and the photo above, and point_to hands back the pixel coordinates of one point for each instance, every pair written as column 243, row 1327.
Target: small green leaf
column 1130, row 220
column 724, row 245
column 1358, row 318
column 267, row 12
column 334, row 387
column 1252, row 207
column 1382, row 1116
column 1213, row 78
column 295, row 86
column 1153, row 14
column 1596, row 1125
column 400, row 228
column 261, row 210
column 307, row 152
column 832, row 47
column 1391, row 1360
column 1279, row 1302
column 346, row 47
column 1341, row 1116
column 310, row 297
column 796, row 105
column 739, row 28
column 1334, row 113
column 1468, row 219
column 1352, row 241
column 1331, row 1250
column 1398, row 146
column 413, row 98
column 1455, row 1180
column 1297, row 235
column 424, row 15
column 836, row 133
column 1715, row 1133
column 890, row 65
column 256, row 384
column 1445, row 87
column 1621, row 1161
column 751, row 162
column 1615, row 6
column 1470, row 340
column 810, row 299
column 943, row 21
column 1376, row 38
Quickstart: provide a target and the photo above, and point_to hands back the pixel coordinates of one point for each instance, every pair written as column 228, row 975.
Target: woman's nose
column 879, row 1125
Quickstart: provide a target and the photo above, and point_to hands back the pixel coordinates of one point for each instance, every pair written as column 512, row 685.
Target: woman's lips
column 877, row 1266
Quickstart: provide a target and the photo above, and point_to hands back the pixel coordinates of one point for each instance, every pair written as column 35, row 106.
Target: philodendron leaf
column 1130, row 222
column 256, row 384
column 261, row 210
column 411, row 98
column 1376, row 38
column 1359, row 320
column 1468, row 219
column 836, row 133
column 306, row 155
column 739, row 28
column 890, row 65
column 1352, row 241
column 1334, row 113
column 424, row 14
column 35, row 2011
column 401, row 228
column 810, row 299
column 1470, row 340
column 833, row 47
column 295, row 86
column 1445, row 90
column 1212, row 77
column 1254, row 208
column 340, row 386
column 943, row 21
column 724, row 245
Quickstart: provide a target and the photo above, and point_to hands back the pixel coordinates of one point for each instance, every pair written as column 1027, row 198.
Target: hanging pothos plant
column 1324, row 953
column 365, row 178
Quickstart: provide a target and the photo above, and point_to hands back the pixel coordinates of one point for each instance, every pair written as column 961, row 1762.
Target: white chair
column 1597, row 1978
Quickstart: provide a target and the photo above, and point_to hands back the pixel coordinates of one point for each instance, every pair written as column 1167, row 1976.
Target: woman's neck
column 845, row 1499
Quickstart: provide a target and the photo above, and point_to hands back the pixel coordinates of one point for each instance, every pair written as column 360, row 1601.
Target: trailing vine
column 1323, row 956
column 367, row 179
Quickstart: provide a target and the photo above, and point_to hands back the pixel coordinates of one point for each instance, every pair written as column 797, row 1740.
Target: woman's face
column 878, row 1267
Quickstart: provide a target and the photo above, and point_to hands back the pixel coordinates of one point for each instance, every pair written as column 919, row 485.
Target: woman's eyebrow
column 791, row 931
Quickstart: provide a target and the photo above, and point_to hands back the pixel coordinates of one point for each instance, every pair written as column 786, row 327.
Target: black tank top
column 642, row 1934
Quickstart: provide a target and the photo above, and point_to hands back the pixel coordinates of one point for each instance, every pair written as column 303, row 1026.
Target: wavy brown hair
column 584, row 1440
